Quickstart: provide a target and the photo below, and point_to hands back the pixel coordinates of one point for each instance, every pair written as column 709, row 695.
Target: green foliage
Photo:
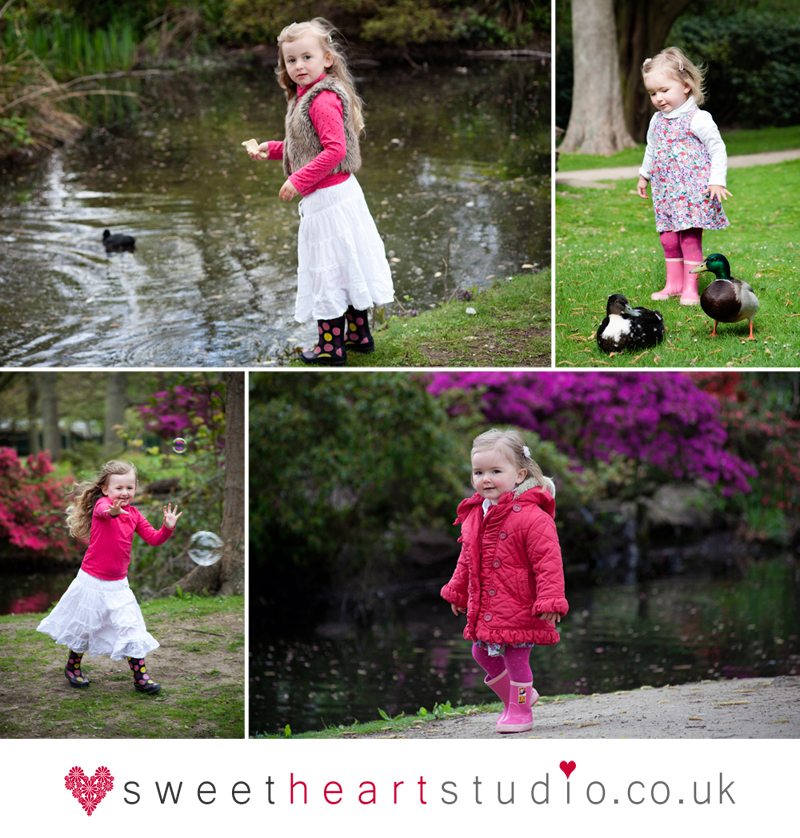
column 407, row 22
column 341, row 466
column 16, row 127
column 753, row 63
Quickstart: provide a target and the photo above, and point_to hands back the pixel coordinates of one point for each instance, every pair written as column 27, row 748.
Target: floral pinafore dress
column 680, row 173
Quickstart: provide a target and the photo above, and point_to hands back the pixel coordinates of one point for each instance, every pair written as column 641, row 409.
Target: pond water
column 27, row 593
column 456, row 172
column 664, row 632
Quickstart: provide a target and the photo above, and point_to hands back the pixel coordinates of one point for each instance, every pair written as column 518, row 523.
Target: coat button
column 502, row 535
column 517, row 507
column 487, row 617
column 492, row 592
column 496, row 563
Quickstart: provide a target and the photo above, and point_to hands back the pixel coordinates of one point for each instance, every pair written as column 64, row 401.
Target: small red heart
column 89, row 791
column 567, row 767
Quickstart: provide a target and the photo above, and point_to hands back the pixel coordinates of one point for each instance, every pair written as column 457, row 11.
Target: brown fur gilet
column 301, row 144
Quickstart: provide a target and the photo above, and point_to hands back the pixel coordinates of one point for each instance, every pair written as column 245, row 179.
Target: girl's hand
column 641, row 186
column 455, row 609
column 551, row 617
column 716, row 191
column 171, row 516
column 116, row 509
column 261, row 154
column 287, row 191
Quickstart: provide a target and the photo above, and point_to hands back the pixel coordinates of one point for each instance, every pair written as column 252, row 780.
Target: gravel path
column 751, row 708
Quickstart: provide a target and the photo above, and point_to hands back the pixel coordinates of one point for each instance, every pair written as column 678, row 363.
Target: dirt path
column 752, row 708
column 592, row 177
column 200, row 665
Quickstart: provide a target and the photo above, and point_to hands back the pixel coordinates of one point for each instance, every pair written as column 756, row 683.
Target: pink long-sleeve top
column 328, row 120
column 110, row 541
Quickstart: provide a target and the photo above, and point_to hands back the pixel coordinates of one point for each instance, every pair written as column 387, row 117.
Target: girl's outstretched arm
column 116, row 509
column 171, row 516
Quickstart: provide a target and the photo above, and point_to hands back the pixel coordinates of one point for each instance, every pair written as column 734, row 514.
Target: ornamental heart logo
column 567, row 767
column 89, row 791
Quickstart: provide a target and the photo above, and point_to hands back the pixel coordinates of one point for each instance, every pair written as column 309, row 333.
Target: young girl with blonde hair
column 341, row 262
column 509, row 578
column 98, row 613
column 686, row 164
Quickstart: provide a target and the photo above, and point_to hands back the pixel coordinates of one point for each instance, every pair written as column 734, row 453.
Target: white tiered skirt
column 341, row 259
column 99, row 617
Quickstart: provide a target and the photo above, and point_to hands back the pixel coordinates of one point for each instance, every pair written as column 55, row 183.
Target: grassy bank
column 742, row 141
column 200, row 665
column 402, row 723
column 510, row 328
column 607, row 243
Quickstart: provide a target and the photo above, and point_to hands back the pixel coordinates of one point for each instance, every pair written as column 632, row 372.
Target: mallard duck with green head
column 629, row 328
column 726, row 300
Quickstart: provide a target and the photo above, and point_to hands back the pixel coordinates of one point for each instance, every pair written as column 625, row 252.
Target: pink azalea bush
column 662, row 420
column 32, row 505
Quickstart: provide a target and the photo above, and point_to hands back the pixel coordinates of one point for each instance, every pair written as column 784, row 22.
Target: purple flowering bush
column 663, row 421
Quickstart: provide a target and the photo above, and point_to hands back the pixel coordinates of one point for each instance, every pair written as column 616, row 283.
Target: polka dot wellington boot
column 359, row 337
column 73, row 672
column 330, row 349
column 141, row 677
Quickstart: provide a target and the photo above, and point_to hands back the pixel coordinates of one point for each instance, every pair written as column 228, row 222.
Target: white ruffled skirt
column 99, row 617
column 341, row 259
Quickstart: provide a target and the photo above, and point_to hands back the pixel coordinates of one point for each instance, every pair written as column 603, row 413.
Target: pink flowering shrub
column 192, row 412
column 661, row 420
column 32, row 505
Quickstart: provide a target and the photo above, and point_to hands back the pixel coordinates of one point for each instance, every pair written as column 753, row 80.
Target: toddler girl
column 99, row 614
column 509, row 577
column 341, row 262
column 686, row 164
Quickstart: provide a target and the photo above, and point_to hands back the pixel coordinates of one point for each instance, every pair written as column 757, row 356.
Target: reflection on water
column 666, row 632
column 456, row 171
column 32, row 593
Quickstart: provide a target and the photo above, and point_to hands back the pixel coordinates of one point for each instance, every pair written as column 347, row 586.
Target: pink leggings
column 514, row 660
column 684, row 244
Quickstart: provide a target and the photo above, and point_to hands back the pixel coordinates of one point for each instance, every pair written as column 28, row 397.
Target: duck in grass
column 629, row 328
column 726, row 300
column 118, row 242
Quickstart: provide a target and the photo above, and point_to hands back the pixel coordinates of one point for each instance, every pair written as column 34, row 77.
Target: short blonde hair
column 673, row 62
column 326, row 32
column 513, row 445
column 86, row 494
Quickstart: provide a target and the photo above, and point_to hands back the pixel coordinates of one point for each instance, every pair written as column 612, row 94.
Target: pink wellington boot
column 518, row 717
column 675, row 281
column 689, row 295
column 500, row 685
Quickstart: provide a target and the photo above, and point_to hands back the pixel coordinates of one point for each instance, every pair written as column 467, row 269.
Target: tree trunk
column 643, row 27
column 116, row 402
column 597, row 122
column 33, row 414
column 49, row 402
column 227, row 575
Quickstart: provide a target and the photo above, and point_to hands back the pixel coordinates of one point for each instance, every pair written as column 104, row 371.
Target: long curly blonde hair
column 513, row 445
column 86, row 494
column 328, row 36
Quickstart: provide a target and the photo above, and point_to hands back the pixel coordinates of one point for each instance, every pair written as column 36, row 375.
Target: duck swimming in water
column 118, row 242
column 726, row 300
column 629, row 328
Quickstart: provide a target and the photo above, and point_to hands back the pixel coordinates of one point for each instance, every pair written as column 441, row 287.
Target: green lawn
column 749, row 141
column 510, row 328
column 607, row 243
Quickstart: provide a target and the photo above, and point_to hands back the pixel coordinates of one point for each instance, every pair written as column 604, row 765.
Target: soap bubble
column 179, row 445
column 205, row 548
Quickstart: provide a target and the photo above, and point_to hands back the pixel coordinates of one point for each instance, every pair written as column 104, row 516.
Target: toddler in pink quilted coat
column 509, row 578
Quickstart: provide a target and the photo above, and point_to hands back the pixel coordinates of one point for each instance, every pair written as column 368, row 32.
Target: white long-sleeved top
column 704, row 127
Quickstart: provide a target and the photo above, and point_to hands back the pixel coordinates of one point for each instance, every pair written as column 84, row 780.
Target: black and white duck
column 629, row 328
column 118, row 242
column 726, row 300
